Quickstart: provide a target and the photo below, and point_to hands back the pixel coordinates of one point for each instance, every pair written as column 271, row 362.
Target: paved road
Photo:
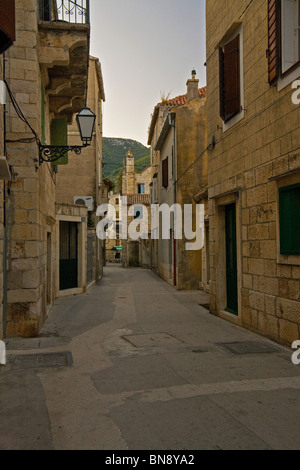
column 152, row 370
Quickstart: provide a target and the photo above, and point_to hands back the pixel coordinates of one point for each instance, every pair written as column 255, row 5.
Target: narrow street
column 149, row 369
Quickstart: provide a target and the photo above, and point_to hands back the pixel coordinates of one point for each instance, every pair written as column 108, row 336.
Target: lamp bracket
column 52, row 153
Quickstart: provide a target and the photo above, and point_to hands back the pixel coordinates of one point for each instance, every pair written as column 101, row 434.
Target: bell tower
column 130, row 174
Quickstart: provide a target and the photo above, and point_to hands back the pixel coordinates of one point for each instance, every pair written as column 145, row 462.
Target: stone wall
column 83, row 175
column 192, row 177
column 30, row 212
column 245, row 168
column 1, row 207
column 131, row 179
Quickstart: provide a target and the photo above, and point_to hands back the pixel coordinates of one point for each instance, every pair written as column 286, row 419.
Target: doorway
column 231, row 259
column 49, row 269
column 68, row 260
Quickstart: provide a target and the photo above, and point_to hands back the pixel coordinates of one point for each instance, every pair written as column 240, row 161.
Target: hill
column 114, row 153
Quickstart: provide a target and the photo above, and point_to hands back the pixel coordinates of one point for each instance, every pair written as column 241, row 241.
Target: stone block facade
column 83, row 175
column 1, row 206
column 31, row 209
column 255, row 154
column 34, row 79
column 177, row 135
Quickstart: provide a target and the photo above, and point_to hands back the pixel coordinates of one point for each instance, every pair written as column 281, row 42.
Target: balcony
column 75, row 12
column 64, row 32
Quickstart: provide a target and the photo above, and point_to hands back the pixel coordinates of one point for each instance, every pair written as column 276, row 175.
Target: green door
column 68, row 263
column 231, row 259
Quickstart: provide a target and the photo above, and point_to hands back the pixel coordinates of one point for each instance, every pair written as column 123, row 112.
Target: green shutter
column 289, row 220
column 43, row 124
column 231, row 259
column 59, row 136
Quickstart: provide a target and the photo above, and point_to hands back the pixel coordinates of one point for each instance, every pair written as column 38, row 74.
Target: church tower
column 129, row 185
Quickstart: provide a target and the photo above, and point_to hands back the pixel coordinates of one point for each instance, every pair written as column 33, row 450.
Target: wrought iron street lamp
column 86, row 123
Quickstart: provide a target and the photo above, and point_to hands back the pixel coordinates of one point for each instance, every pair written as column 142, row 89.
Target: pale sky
column 146, row 48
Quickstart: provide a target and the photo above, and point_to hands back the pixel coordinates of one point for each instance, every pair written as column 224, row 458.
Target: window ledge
column 233, row 121
column 289, row 259
column 283, row 82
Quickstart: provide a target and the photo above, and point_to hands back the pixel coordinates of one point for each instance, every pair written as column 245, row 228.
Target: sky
column 147, row 49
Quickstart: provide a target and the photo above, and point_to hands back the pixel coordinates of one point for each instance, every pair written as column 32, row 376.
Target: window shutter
column 165, row 173
column 59, row 136
column 273, row 25
column 289, row 221
column 232, row 78
column 222, row 87
column 45, row 10
column 7, row 24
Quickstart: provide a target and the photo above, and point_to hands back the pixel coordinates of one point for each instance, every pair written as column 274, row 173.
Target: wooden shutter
column 232, row 78
column 273, row 38
column 289, row 221
column 165, row 173
column 222, row 85
column 59, row 136
column 45, row 10
column 7, row 24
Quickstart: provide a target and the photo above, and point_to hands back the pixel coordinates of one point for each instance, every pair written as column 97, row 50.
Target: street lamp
column 85, row 122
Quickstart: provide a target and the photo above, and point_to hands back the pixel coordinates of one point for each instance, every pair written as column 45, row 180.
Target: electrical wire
column 22, row 117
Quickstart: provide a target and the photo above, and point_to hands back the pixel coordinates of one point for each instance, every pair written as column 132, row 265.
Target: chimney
column 192, row 87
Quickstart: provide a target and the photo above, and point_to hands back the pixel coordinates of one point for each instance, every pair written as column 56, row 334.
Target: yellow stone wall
column 31, row 210
column 1, row 206
column 245, row 168
column 192, row 177
column 83, row 175
column 188, row 145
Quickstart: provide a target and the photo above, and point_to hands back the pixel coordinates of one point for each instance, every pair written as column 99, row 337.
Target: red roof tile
column 182, row 99
column 178, row 101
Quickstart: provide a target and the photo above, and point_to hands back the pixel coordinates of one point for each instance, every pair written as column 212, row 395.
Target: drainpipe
column 4, row 223
column 172, row 121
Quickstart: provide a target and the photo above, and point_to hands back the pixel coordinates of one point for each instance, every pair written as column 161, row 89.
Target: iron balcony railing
column 75, row 12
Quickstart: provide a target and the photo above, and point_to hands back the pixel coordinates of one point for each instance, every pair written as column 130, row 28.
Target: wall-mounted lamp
column 213, row 143
column 86, row 123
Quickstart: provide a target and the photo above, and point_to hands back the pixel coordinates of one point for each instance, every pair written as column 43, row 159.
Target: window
column 141, row 189
column 284, row 37
column 7, row 24
column 290, row 34
column 154, row 190
column 165, row 173
column 289, row 220
column 230, row 79
column 138, row 212
column 45, row 10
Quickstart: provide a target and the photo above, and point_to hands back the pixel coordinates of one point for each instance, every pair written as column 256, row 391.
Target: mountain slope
column 114, row 154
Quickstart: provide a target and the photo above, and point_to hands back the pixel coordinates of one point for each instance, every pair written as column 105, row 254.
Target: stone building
column 7, row 38
column 113, row 244
column 47, row 73
column 177, row 136
column 132, row 181
column 136, row 190
column 79, row 179
column 254, row 164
